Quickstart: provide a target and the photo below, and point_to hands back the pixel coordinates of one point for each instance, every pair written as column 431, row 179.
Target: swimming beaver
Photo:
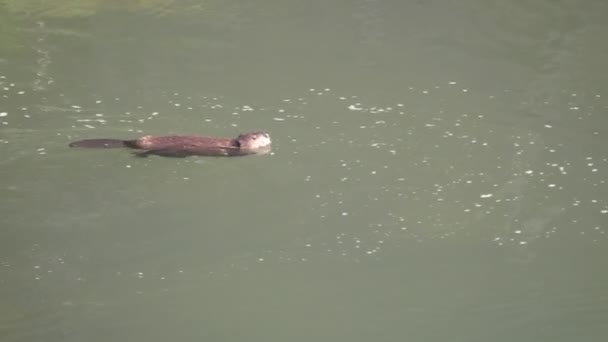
column 187, row 145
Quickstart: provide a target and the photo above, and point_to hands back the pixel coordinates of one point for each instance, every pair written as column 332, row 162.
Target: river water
column 438, row 171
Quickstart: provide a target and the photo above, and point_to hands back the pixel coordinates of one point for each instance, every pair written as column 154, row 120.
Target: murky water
column 438, row 172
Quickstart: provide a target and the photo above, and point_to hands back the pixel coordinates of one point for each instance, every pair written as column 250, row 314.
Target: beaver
column 187, row 145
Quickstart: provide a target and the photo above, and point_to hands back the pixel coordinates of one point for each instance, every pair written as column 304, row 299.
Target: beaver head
column 253, row 141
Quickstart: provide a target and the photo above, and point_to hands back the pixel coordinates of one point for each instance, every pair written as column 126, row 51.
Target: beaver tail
column 102, row 143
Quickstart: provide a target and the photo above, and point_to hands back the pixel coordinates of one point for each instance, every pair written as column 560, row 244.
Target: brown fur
column 187, row 145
